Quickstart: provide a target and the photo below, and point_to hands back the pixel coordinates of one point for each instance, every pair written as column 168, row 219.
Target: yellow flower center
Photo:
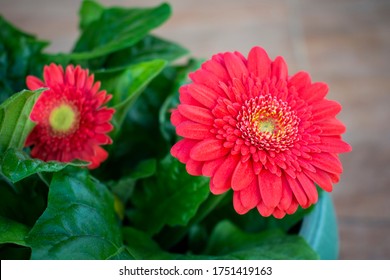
column 62, row 119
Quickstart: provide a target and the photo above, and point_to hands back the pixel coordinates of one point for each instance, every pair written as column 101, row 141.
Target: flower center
column 62, row 119
column 268, row 123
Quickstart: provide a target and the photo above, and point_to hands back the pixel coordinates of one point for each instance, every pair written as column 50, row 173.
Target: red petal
column 270, row 188
column 104, row 115
column 333, row 145
column 300, row 81
column 222, row 177
column 103, row 139
column 69, row 76
column 321, row 178
column 181, row 150
column 209, row 167
column 293, row 207
column 250, row 196
column 206, row 79
column 278, row 213
column 100, row 156
column 279, row 68
column 297, row 190
column 193, row 130
column 203, row 95
column 331, row 127
column 196, row 114
column 89, row 82
column 235, row 66
column 53, row 75
column 325, row 109
column 177, row 118
column 208, row 149
column 216, row 68
column 315, row 92
column 104, row 128
column 264, row 210
column 240, row 209
column 194, row 167
column 327, row 162
column 287, row 195
column 34, row 83
column 309, row 187
column 243, row 175
column 186, row 98
column 259, row 63
column 102, row 97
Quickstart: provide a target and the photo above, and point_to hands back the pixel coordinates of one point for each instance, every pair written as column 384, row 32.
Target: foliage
column 141, row 203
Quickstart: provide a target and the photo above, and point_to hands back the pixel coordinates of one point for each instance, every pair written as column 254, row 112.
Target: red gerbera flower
column 70, row 120
column 252, row 128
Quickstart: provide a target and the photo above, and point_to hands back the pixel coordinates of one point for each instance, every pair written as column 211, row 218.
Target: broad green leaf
column 116, row 29
column 229, row 242
column 90, row 11
column 17, row 165
column 171, row 197
column 15, row 119
column 12, row 232
column 149, row 48
column 20, row 55
column 127, row 84
column 79, row 222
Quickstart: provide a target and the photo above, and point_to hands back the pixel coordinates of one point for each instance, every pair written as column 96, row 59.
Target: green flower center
column 62, row 119
column 267, row 125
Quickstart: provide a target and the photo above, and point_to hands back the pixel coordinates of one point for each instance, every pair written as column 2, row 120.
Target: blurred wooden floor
column 345, row 43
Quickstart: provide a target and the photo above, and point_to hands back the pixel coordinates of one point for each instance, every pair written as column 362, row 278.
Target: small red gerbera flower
column 70, row 120
column 252, row 128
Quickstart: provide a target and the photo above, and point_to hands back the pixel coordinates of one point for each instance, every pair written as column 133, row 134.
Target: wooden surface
column 345, row 43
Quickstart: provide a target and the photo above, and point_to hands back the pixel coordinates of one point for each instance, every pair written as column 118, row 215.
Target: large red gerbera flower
column 70, row 120
column 252, row 128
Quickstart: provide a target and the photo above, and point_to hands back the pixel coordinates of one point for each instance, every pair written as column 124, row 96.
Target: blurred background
column 345, row 43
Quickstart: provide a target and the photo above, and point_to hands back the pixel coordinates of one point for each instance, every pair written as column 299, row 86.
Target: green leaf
column 12, row 232
column 229, row 242
column 127, row 84
column 17, row 165
column 15, row 122
column 90, row 11
column 20, row 55
column 79, row 222
column 171, row 197
column 124, row 187
column 116, row 29
column 142, row 247
column 149, row 48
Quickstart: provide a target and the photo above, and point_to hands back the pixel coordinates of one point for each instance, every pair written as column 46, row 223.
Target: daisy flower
column 71, row 121
column 253, row 128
